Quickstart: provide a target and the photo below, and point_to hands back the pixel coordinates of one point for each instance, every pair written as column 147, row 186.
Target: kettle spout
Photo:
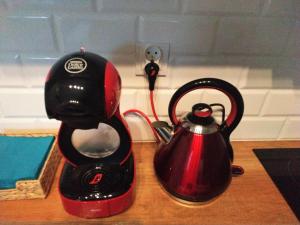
column 163, row 129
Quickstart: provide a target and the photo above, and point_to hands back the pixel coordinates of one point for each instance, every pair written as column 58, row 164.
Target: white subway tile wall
column 289, row 8
column 11, row 71
column 29, row 33
column 247, row 35
column 255, row 45
column 186, row 34
column 293, row 47
column 21, row 102
column 291, row 128
column 152, row 6
column 103, row 34
column 222, row 7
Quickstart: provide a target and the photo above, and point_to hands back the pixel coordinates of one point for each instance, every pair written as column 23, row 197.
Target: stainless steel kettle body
column 194, row 160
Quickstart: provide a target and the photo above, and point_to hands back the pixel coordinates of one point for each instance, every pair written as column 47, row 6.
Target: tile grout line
column 282, row 127
column 260, row 112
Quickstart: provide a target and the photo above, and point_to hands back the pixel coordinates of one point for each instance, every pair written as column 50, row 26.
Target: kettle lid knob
column 201, row 110
column 201, row 114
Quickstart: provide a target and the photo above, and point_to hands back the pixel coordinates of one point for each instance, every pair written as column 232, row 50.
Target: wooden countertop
column 250, row 199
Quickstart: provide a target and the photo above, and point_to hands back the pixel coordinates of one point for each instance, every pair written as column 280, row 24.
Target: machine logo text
column 75, row 65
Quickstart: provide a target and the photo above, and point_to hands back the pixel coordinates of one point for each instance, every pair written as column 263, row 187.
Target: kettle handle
column 236, row 100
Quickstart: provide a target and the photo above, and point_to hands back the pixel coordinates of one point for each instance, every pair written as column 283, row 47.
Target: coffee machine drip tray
column 96, row 181
column 96, row 190
column 283, row 166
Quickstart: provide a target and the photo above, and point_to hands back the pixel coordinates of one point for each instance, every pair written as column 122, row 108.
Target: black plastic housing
column 71, row 96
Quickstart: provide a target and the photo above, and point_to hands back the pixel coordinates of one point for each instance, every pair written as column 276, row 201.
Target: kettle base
column 188, row 203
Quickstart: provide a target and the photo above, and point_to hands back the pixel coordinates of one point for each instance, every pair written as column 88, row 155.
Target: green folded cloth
column 22, row 158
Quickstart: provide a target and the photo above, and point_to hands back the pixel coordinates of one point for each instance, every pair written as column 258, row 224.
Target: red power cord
column 151, row 70
column 152, row 106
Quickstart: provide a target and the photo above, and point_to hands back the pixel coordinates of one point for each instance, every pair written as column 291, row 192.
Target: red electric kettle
column 194, row 160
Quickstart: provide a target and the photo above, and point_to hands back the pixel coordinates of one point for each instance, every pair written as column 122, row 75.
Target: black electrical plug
column 151, row 70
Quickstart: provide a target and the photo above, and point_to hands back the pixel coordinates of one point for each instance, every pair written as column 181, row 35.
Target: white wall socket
column 153, row 53
column 141, row 59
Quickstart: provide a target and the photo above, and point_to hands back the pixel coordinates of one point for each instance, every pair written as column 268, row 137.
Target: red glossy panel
column 112, row 89
column 101, row 208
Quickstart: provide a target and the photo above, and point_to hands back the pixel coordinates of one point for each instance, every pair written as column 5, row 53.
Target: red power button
column 96, row 179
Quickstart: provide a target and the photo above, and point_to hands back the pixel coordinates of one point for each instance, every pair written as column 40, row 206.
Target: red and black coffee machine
column 83, row 91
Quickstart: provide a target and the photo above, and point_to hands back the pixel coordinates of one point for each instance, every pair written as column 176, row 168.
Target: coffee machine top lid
column 82, row 85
